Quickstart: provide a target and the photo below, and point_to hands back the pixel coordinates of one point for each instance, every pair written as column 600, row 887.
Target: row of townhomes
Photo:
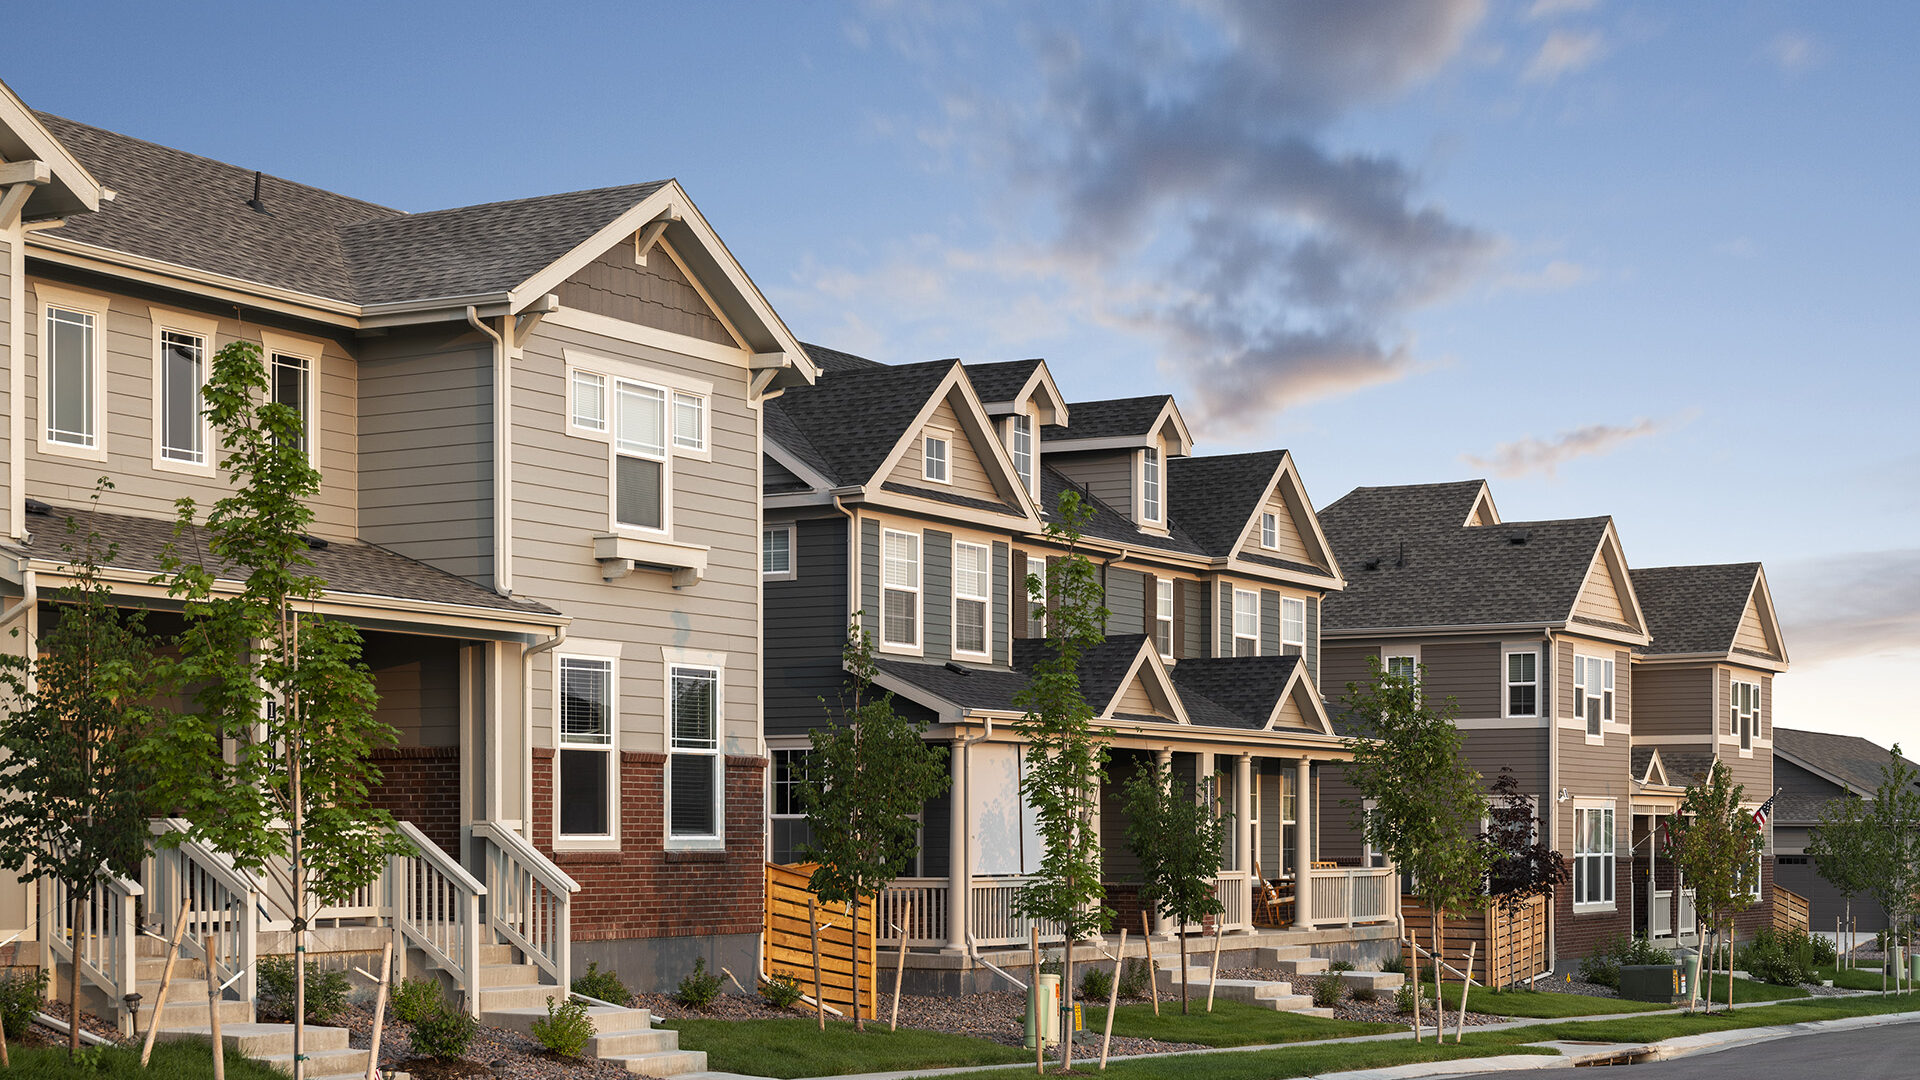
column 604, row 524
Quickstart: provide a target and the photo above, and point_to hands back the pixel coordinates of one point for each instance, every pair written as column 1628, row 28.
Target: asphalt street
column 1877, row 1053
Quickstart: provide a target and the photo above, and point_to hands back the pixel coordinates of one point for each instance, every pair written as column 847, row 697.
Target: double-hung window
column 971, row 575
column 900, row 589
column 1744, row 713
column 1593, row 868
column 786, row 808
column 640, row 455
column 776, row 552
column 1269, row 530
column 648, row 422
column 1246, row 622
column 292, row 378
column 1021, row 441
column 70, row 398
column 693, row 792
column 1150, row 485
column 1523, row 684
column 1293, row 626
column 1036, row 596
column 182, row 349
column 936, row 459
column 1592, row 692
column 1163, row 616
column 1403, row 667
column 586, row 751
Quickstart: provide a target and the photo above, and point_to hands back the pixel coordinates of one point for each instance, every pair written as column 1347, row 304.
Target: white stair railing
column 436, row 908
column 100, row 948
column 529, row 900
column 223, row 905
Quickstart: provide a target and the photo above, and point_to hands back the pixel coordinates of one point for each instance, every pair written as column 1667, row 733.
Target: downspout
column 502, row 452
column 1550, row 678
column 12, row 203
column 526, row 717
column 29, row 596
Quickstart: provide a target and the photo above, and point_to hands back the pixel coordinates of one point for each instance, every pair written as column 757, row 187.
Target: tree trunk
column 1066, row 1008
column 1439, row 982
column 859, row 1021
column 1413, row 968
column 76, row 904
column 1180, row 931
column 1700, row 966
column 299, row 919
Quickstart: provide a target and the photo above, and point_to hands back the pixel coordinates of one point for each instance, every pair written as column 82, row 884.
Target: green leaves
column 1891, row 840
column 1715, row 843
column 1842, row 847
column 1179, row 837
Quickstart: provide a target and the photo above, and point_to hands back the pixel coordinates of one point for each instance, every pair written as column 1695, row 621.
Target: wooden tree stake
column 213, row 1009
column 166, row 980
column 900, row 971
column 1213, row 977
column 1113, row 997
column 1466, row 984
column 1153, row 977
column 380, row 1010
column 813, row 929
column 1039, row 1009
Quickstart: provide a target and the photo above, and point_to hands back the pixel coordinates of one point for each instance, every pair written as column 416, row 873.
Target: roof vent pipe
column 258, row 206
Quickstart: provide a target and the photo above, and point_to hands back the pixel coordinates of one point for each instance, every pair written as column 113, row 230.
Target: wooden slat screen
column 789, row 946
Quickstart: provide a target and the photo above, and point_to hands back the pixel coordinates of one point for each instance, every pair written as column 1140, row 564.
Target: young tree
column 1893, row 851
column 1523, row 865
column 865, row 780
column 1715, row 842
column 1426, row 799
column 1179, row 838
column 1065, row 753
column 266, row 675
column 1842, row 851
column 74, row 782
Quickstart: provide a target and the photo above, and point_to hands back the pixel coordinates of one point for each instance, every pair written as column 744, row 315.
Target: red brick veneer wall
column 1577, row 936
column 646, row 891
column 421, row 784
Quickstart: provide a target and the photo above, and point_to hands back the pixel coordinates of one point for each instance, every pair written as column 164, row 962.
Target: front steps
column 1277, row 996
column 185, row 1017
column 512, row 997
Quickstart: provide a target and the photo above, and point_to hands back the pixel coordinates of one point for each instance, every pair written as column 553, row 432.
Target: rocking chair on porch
column 1275, row 905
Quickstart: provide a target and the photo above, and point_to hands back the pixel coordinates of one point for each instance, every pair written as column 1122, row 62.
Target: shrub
column 1366, row 995
column 1096, row 984
column 1396, row 964
column 413, row 999
column 443, row 1034
column 1136, row 979
column 21, row 995
column 326, row 991
column 1641, row 951
column 1783, row 959
column 1601, row 969
column 1326, row 993
column 1051, row 964
column 1403, row 999
column 699, row 989
column 1340, row 965
column 1825, row 953
column 781, row 992
column 601, row 985
column 566, row 1029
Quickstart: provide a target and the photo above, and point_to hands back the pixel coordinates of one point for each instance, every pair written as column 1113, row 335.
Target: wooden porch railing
column 529, row 900
column 435, row 906
column 100, row 946
column 224, row 906
column 1353, row 895
column 925, row 923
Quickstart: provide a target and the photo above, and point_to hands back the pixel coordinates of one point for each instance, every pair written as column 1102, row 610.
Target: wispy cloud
column 1533, row 454
column 1794, row 52
column 1551, row 9
column 1563, row 53
column 1858, row 604
column 1557, row 276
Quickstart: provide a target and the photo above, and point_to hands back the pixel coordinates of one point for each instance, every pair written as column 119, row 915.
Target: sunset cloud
column 1531, row 455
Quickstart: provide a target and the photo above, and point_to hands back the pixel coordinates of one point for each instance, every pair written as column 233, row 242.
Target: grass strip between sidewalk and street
column 793, row 1048
column 1541, row 1004
column 1277, row 1064
column 1231, row 1023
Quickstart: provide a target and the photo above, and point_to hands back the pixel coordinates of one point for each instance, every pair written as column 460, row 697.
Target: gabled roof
column 851, row 420
column 1015, row 384
column 1103, row 671
column 1369, row 515
column 1247, row 689
column 1649, row 768
column 1847, row 761
column 1214, row 497
column 833, row 361
column 1003, row 381
column 1107, row 523
column 68, row 186
column 1696, row 609
column 1111, row 418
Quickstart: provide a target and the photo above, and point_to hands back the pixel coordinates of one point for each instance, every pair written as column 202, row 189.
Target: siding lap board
column 936, row 593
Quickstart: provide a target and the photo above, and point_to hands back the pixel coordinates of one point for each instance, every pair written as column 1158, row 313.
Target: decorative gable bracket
column 649, row 234
column 622, row 555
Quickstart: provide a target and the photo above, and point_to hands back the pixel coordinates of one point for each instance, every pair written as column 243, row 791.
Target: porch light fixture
column 1565, row 795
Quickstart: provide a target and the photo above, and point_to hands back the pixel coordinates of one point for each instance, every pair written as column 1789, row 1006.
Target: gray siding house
column 1812, row 769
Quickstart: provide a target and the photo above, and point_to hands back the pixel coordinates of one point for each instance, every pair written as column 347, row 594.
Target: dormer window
column 1592, row 692
column 1150, row 485
column 936, row 462
column 1021, row 445
column 1269, row 531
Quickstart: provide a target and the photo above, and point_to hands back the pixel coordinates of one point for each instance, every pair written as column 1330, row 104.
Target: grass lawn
column 789, row 1048
column 184, row 1060
column 1749, row 990
column 1654, row 1028
column 1277, row 1064
column 1230, row 1024
column 1855, row 978
column 1541, row 1004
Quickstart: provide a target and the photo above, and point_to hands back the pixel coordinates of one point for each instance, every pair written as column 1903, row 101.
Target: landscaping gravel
column 1380, row 1010
column 495, row 1052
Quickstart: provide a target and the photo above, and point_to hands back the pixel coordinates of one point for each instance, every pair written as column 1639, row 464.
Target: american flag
column 1764, row 811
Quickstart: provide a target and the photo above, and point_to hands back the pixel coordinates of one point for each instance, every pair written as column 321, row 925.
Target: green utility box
column 1664, row 983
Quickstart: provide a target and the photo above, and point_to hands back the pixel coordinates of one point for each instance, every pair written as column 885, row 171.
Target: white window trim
column 1751, row 735
column 574, row 427
column 985, row 598
column 715, row 662
column 580, row 649
column 1032, row 478
column 1506, row 683
column 703, row 451
column 1284, row 642
column 206, row 329
column 1237, row 635
column 54, row 296
column 793, row 554
column 1160, row 583
column 1269, row 530
column 1036, row 567
column 1158, row 458
column 311, row 351
column 944, row 437
column 611, row 371
column 1595, row 734
column 614, row 453
column 1388, row 652
column 918, row 646
column 1612, row 903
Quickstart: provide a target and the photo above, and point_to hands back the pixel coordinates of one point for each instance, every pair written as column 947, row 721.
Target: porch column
column 1304, row 821
column 959, row 872
column 1243, row 812
column 1162, row 760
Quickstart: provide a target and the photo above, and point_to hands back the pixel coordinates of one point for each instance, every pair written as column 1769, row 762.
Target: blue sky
column 1639, row 259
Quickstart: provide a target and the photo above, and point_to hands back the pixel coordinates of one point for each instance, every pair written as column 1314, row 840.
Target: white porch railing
column 100, row 947
column 224, row 912
column 436, row 908
column 926, row 923
column 1235, row 890
column 1689, row 918
column 993, row 915
column 1350, row 896
column 529, row 900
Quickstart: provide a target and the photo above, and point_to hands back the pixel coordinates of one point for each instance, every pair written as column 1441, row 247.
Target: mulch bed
column 494, row 1052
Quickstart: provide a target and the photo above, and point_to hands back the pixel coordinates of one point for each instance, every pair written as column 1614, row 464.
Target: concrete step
column 1324, row 1014
column 1263, row 958
column 264, row 1040
column 509, row 975
column 606, row 1020
column 610, row 1045
column 193, row 1013
column 1235, row 989
column 527, row 996
column 667, row 1063
column 1378, row 980
column 1306, row 965
column 323, row 1062
column 188, row 989
column 497, row 954
column 150, row 968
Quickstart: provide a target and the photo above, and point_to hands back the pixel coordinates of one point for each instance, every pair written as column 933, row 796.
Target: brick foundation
column 421, row 784
column 646, row 891
column 1577, row 936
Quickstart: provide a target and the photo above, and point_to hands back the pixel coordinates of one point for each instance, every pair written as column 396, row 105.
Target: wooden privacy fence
column 1790, row 911
column 789, row 948
column 1513, row 946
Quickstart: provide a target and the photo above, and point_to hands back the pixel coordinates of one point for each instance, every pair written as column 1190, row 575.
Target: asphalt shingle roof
column 834, row 362
column 851, row 420
column 1686, row 767
column 1693, row 609
column 1109, row 418
column 1245, row 688
column 347, row 566
column 192, row 211
column 1371, row 515
column 999, row 382
column 1108, row 523
column 1855, row 760
column 1214, row 497
column 1101, row 670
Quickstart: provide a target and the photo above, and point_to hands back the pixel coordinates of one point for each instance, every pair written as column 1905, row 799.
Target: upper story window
column 586, row 734
column 1744, row 713
column 1036, row 596
column 689, row 421
column 1150, row 485
column 693, row 781
column 1163, row 616
column 640, row 455
column 589, row 401
column 1593, row 692
column 1246, row 623
column 648, row 423
column 1593, row 852
column 72, row 396
column 936, row 462
column 900, row 589
column 971, row 575
column 1523, row 684
column 1021, row 444
column 182, row 433
column 292, row 378
column 1293, row 626
column 1269, row 530
column 776, row 552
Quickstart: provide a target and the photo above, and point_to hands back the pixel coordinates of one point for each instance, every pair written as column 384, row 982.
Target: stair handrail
column 436, row 908
column 530, row 900
column 103, row 952
column 196, row 872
